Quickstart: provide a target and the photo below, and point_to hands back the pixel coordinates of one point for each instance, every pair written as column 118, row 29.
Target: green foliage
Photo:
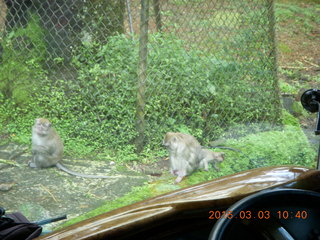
column 288, row 119
column 221, row 93
column 294, row 76
column 15, row 120
column 23, row 53
column 284, row 48
column 99, row 107
column 184, row 92
column 288, row 146
column 299, row 110
column 136, row 194
column 179, row 86
column 185, row 2
column 287, row 88
column 306, row 18
column 273, row 148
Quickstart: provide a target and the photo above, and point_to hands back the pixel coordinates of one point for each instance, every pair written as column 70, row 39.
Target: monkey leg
column 204, row 164
column 178, row 179
column 32, row 164
column 181, row 174
column 42, row 161
column 174, row 172
column 215, row 166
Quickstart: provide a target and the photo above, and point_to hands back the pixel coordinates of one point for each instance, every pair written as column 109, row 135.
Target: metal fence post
column 156, row 7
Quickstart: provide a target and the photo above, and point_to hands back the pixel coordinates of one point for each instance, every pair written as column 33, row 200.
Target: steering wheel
column 279, row 214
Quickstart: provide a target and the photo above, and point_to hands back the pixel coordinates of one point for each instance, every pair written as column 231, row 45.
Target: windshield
column 150, row 96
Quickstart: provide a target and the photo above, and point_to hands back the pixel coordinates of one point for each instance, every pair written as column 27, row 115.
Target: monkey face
column 170, row 141
column 218, row 156
column 42, row 126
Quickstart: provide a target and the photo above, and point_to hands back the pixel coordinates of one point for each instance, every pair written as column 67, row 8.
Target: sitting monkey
column 47, row 148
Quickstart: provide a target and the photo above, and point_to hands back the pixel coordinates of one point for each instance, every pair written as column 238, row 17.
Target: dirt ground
column 298, row 48
column 298, row 41
column 45, row 193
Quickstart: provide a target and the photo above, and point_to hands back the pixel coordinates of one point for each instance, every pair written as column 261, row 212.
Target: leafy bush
column 287, row 146
column 183, row 91
column 305, row 18
column 20, row 73
column 20, row 69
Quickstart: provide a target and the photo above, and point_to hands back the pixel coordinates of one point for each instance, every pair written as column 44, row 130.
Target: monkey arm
column 181, row 174
column 204, row 164
column 39, row 149
column 44, row 156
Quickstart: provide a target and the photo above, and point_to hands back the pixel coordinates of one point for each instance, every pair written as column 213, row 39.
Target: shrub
column 20, row 69
column 184, row 91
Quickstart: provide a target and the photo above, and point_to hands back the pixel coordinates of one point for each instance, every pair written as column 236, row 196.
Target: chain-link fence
column 120, row 73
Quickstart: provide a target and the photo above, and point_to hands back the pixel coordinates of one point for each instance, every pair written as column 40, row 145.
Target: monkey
column 207, row 156
column 187, row 155
column 47, row 148
column 183, row 153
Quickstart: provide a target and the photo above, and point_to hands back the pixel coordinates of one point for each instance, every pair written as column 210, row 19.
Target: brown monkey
column 183, row 154
column 207, row 156
column 47, row 148
column 186, row 154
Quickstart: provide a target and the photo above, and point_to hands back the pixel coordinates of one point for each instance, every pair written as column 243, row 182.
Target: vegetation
column 298, row 31
column 303, row 17
column 284, row 147
column 20, row 69
column 209, row 96
column 103, row 95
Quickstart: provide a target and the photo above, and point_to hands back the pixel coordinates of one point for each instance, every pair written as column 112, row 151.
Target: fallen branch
column 9, row 162
column 299, row 68
column 48, row 191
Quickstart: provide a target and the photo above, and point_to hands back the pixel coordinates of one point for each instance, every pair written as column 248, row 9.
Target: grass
column 306, row 18
column 297, row 34
column 280, row 147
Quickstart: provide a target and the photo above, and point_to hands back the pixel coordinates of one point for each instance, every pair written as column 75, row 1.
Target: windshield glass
column 149, row 97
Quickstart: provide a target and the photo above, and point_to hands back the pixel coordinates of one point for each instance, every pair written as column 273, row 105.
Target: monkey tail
column 65, row 169
column 232, row 149
column 224, row 147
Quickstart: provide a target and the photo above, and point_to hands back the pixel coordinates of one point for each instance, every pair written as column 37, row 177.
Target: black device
column 310, row 100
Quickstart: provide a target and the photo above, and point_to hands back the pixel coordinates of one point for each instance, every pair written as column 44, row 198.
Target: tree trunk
column 142, row 75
